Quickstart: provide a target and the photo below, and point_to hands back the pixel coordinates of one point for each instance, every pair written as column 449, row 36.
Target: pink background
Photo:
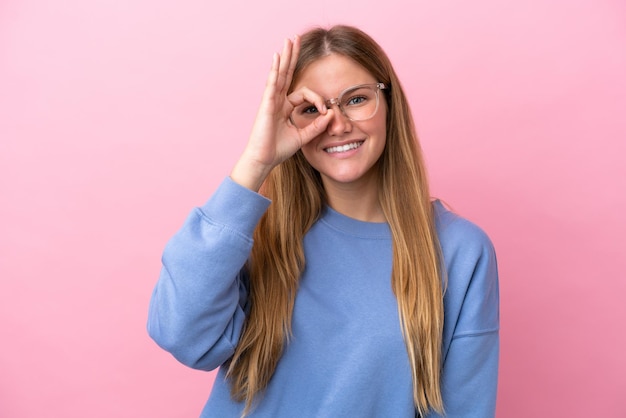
column 117, row 117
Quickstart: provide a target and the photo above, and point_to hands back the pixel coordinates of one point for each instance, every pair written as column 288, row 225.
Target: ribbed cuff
column 235, row 206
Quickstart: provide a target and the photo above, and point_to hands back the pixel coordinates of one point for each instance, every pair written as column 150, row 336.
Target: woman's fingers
column 309, row 114
column 305, row 95
column 315, row 128
column 280, row 75
column 282, row 83
column 295, row 52
column 272, row 137
column 272, row 77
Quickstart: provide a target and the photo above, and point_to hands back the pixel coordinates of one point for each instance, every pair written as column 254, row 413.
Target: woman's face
column 347, row 152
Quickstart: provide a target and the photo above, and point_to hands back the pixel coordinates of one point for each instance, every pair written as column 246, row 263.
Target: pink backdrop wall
column 117, row 117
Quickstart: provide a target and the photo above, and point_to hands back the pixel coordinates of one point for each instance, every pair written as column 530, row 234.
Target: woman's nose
column 339, row 124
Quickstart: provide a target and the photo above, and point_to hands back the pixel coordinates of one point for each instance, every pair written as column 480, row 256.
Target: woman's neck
column 357, row 200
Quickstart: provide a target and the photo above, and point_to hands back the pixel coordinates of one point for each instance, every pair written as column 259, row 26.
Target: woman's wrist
column 249, row 174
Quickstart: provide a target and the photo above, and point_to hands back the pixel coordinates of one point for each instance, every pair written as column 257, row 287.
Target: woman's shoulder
column 458, row 234
column 471, row 298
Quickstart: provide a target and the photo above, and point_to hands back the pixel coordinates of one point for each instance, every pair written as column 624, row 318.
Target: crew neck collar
column 355, row 227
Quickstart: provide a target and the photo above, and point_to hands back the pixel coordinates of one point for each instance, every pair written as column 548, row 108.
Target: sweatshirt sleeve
column 471, row 329
column 198, row 305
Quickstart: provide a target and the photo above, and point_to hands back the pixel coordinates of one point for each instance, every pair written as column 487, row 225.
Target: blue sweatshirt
column 347, row 357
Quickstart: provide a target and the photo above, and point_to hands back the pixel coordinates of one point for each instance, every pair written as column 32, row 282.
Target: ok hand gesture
column 274, row 138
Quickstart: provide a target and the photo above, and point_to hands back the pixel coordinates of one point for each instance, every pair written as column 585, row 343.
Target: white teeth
column 344, row 148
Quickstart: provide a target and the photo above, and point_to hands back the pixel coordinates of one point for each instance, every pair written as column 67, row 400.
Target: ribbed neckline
column 354, row 227
column 376, row 230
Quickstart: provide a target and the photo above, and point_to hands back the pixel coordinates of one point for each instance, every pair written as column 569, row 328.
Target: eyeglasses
column 357, row 103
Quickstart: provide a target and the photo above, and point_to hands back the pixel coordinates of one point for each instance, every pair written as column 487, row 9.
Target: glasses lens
column 304, row 114
column 359, row 103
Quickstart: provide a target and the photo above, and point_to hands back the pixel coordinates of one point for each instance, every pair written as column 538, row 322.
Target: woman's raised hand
column 274, row 138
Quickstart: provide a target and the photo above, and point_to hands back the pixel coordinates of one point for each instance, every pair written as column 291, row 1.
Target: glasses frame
column 335, row 101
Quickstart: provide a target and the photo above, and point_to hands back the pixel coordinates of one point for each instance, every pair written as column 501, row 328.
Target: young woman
column 340, row 289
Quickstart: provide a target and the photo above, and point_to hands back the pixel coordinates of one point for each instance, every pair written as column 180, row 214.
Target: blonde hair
column 297, row 196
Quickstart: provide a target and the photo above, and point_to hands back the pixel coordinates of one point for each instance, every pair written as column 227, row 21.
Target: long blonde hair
column 297, row 196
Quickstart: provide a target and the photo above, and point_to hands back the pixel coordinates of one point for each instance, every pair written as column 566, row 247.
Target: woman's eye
column 356, row 100
column 309, row 110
